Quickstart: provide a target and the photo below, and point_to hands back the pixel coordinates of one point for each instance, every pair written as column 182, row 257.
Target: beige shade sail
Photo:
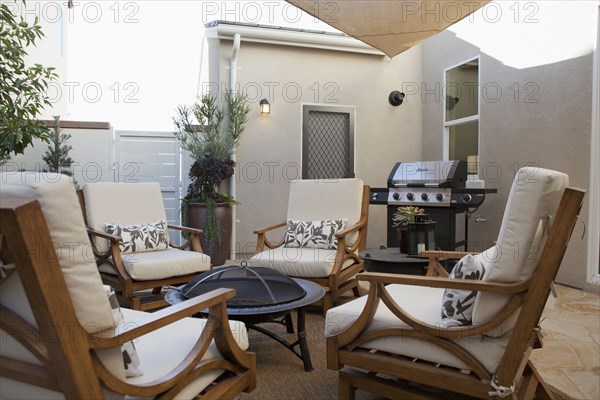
column 391, row 26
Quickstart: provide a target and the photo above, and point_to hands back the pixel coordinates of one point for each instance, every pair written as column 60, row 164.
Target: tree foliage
column 211, row 145
column 22, row 88
column 57, row 156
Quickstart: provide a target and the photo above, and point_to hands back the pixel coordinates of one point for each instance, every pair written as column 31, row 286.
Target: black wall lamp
column 396, row 98
column 265, row 107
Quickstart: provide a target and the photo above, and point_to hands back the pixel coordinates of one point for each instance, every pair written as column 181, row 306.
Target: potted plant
column 401, row 218
column 211, row 145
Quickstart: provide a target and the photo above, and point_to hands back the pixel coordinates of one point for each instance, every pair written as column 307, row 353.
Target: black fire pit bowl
column 255, row 286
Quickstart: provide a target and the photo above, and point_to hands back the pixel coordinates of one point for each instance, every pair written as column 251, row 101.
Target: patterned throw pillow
column 140, row 238
column 313, row 234
column 457, row 305
column 131, row 359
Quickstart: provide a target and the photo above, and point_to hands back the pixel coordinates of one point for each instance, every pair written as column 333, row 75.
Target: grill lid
column 439, row 174
column 255, row 286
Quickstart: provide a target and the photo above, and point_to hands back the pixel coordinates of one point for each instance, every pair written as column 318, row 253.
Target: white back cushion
column 122, row 203
column 535, row 195
column 62, row 212
column 312, row 200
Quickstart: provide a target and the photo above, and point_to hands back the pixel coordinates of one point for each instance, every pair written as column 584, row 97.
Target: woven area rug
column 281, row 375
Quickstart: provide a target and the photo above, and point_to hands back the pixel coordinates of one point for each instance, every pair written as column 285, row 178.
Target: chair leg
column 356, row 291
column 542, row 390
column 157, row 290
column 135, row 302
column 346, row 391
column 327, row 302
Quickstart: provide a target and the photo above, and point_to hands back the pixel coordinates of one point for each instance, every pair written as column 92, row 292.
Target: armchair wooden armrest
column 193, row 242
column 235, row 360
column 443, row 282
column 185, row 229
column 104, row 235
column 270, row 228
column 454, row 255
column 354, row 336
column 262, row 241
column 435, row 268
column 153, row 321
column 350, row 229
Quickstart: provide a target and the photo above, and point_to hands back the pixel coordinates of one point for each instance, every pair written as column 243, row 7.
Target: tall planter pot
column 198, row 217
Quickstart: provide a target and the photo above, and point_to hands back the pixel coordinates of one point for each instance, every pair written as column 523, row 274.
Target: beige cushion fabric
column 162, row 264
column 159, row 357
column 535, row 194
column 299, row 262
column 60, row 205
column 312, row 200
column 122, row 203
column 422, row 303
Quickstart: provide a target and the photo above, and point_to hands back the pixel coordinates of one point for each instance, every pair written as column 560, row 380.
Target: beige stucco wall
column 269, row 155
column 552, row 129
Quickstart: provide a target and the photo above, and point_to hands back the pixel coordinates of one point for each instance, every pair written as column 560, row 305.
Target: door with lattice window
column 327, row 142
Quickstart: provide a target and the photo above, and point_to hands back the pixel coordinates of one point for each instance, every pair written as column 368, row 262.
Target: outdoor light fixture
column 265, row 107
column 396, row 98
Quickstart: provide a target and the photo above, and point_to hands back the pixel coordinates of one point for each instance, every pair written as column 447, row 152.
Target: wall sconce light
column 265, row 107
column 396, row 98
column 451, row 102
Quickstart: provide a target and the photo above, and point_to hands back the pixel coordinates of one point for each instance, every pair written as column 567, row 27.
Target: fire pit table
column 263, row 295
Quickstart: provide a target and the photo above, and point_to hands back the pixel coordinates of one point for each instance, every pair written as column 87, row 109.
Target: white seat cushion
column 162, row 264
column 298, row 262
column 422, row 303
column 158, row 359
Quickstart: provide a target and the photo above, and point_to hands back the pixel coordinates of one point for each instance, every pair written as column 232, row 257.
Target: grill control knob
column 440, row 196
column 410, row 196
column 466, row 197
column 396, row 196
column 424, row 196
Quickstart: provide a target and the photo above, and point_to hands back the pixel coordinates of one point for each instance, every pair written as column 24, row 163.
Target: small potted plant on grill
column 211, row 140
column 401, row 218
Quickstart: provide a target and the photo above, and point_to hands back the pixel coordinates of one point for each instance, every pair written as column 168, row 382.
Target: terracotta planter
column 198, row 215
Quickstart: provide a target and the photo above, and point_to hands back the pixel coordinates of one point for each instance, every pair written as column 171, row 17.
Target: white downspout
column 232, row 188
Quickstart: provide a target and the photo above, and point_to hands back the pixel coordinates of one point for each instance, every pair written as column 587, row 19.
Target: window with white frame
column 461, row 114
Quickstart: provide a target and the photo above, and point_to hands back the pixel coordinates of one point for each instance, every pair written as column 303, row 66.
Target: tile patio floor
column 570, row 358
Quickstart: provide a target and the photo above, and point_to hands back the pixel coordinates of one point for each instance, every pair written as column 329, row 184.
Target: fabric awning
column 391, row 26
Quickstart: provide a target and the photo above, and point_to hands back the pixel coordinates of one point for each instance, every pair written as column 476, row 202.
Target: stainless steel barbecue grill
column 440, row 188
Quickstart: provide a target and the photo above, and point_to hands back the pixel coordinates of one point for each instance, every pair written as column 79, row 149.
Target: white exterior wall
column 92, row 154
column 535, row 107
column 269, row 155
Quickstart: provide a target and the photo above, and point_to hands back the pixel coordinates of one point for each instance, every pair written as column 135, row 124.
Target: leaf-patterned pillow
column 313, row 234
column 457, row 305
column 140, row 238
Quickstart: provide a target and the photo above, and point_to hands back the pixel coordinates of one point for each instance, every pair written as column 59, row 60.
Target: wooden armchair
column 131, row 271
column 396, row 343
column 333, row 268
column 60, row 335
